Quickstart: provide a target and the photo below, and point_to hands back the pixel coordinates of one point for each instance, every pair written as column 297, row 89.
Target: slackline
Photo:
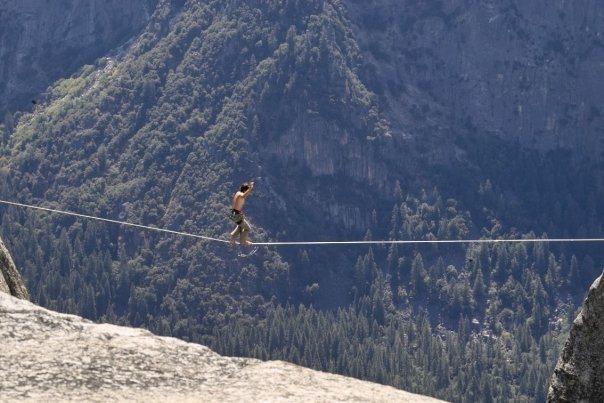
column 298, row 243
column 50, row 210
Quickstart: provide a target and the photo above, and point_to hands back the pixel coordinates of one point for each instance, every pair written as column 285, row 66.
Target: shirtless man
column 243, row 227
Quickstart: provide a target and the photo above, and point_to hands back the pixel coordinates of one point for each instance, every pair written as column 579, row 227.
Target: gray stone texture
column 10, row 279
column 579, row 374
column 52, row 357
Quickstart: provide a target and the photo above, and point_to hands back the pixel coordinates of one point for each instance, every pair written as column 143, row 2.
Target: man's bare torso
column 238, row 201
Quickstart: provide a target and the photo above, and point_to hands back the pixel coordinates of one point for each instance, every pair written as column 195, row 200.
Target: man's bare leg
column 243, row 238
column 245, row 230
column 234, row 234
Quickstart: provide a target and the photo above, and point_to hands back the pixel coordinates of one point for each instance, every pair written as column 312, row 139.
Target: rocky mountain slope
column 30, row 57
column 47, row 356
column 524, row 71
column 579, row 375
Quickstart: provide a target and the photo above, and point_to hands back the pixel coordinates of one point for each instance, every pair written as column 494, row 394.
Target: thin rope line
column 294, row 243
column 112, row 221
column 449, row 241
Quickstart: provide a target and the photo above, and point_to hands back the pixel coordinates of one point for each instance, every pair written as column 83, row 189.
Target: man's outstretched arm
column 247, row 192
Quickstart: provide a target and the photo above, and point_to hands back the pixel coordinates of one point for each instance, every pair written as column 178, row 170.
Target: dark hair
column 244, row 187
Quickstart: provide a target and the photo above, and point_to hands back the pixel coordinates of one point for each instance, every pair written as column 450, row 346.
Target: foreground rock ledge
column 579, row 373
column 50, row 357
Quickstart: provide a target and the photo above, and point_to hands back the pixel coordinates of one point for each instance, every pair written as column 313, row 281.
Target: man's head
column 244, row 187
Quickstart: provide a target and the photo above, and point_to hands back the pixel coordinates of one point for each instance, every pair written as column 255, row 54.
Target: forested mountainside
column 292, row 94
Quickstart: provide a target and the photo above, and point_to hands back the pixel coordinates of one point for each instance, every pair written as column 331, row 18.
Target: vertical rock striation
column 10, row 279
column 579, row 374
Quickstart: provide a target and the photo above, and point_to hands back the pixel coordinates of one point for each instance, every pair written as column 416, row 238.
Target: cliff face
column 579, row 374
column 47, row 356
column 40, row 44
column 10, row 279
column 525, row 71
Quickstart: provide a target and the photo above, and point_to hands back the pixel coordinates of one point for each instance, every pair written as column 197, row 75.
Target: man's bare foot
column 248, row 243
column 232, row 241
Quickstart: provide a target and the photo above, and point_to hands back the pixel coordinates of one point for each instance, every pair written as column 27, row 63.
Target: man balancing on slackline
column 243, row 227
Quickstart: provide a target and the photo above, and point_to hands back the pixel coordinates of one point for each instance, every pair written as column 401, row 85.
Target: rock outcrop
column 10, row 279
column 47, row 356
column 579, row 374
